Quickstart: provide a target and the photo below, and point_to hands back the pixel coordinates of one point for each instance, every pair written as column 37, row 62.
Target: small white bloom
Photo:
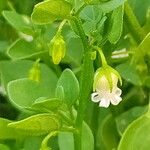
column 103, row 94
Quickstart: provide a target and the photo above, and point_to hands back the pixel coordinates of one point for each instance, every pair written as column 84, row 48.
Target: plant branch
column 133, row 24
column 85, row 83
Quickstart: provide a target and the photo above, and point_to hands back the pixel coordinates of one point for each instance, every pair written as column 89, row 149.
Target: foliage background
column 123, row 127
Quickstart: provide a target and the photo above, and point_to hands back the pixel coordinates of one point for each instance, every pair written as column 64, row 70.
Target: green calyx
column 57, row 49
column 106, row 71
column 34, row 73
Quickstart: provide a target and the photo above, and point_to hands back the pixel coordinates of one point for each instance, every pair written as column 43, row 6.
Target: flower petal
column 118, row 92
column 116, row 100
column 95, row 97
column 104, row 103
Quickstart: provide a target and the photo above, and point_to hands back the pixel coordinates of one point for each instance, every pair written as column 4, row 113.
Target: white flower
column 103, row 94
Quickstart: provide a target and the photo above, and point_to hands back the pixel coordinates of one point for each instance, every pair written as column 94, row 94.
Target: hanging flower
column 105, row 87
column 57, row 49
column 35, row 73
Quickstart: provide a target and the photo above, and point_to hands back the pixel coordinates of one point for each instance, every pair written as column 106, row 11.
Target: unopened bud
column 57, row 49
column 34, row 73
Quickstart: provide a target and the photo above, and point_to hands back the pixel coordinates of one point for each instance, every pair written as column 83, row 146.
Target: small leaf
column 116, row 25
column 70, row 86
column 47, row 104
column 19, row 22
column 50, row 10
column 6, row 133
column 107, row 7
column 129, row 73
column 22, row 49
column 93, row 20
column 36, row 125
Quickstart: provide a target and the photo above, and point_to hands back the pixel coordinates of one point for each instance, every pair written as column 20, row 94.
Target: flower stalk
column 85, row 82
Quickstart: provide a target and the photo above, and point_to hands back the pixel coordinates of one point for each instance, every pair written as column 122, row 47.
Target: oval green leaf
column 36, row 125
column 51, row 10
column 137, row 132
column 70, row 86
column 22, row 49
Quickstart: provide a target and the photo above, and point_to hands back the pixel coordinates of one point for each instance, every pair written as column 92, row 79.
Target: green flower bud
column 57, row 49
column 34, row 73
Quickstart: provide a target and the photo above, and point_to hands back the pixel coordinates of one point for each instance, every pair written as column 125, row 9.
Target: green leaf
column 32, row 143
column 36, row 125
column 47, row 104
column 116, row 25
column 50, row 10
column 70, row 86
column 22, row 49
column 107, row 7
column 66, row 140
column 3, row 47
column 6, row 133
column 87, row 138
column 21, row 70
column 129, row 73
column 143, row 48
column 59, row 92
column 23, row 92
column 127, row 117
column 94, row 20
column 4, row 147
column 74, row 53
column 108, row 134
column 19, row 22
column 135, row 133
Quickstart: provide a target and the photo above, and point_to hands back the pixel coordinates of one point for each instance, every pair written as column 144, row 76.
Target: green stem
column 80, row 9
column 85, row 83
column 103, row 59
column 133, row 24
column 61, row 26
column 46, row 139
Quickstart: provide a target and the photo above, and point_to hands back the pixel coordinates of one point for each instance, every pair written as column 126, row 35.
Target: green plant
column 49, row 54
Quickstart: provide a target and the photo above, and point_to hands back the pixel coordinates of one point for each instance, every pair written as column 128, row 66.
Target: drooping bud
column 105, row 87
column 34, row 73
column 57, row 49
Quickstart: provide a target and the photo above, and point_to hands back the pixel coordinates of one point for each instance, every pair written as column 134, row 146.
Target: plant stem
column 85, row 83
column 133, row 24
column 103, row 59
column 61, row 26
column 45, row 141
